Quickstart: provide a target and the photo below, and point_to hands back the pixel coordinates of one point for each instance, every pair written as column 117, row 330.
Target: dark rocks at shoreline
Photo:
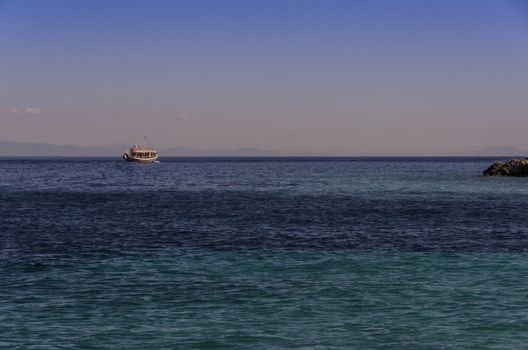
column 513, row 167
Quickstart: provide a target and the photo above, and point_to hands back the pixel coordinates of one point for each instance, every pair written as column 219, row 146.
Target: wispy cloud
column 182, row 116
column 22, row 112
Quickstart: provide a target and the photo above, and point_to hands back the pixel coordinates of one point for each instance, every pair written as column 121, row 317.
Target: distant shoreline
column 118, row 157
column 28, row 149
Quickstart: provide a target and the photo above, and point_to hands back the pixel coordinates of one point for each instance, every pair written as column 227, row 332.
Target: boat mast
column 145, row 142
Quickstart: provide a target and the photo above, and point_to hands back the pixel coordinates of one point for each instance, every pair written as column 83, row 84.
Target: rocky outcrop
column 514, row 167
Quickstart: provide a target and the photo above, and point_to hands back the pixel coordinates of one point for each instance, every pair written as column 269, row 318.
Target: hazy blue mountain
column 504, row 151
column 10, row 148
column 27, row 149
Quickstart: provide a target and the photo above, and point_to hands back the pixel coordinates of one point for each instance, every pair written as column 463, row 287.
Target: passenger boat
column 141, row 155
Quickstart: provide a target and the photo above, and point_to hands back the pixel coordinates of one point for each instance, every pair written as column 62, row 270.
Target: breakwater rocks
column 514, row 167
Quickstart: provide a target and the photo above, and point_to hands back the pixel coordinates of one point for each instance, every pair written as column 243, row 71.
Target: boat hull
column 129, row 158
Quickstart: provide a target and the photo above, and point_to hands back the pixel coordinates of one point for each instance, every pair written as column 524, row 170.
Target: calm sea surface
column 205, row 253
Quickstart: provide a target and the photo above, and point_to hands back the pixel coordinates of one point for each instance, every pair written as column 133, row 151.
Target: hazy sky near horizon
column 351, row 77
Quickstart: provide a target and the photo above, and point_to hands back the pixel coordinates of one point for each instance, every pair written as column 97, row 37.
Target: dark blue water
column 372, row 253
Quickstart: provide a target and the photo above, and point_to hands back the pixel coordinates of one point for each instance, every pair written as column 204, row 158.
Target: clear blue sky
column 353, row 77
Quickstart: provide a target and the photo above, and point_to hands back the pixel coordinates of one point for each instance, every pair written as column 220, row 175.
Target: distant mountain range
column 493, row 152
column 28, row 149
column 23, row 149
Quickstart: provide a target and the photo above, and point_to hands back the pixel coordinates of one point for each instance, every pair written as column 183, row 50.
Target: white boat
column 141, row 155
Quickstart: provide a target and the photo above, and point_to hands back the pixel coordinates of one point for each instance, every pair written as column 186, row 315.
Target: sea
column 262, row 253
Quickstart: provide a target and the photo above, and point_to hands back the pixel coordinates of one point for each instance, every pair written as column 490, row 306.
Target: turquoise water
column 262, row 254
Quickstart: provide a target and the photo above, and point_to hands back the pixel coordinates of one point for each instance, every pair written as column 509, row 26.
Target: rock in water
column 514, row 167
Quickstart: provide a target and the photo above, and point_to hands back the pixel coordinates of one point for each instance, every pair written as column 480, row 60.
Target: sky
column 377, row 77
